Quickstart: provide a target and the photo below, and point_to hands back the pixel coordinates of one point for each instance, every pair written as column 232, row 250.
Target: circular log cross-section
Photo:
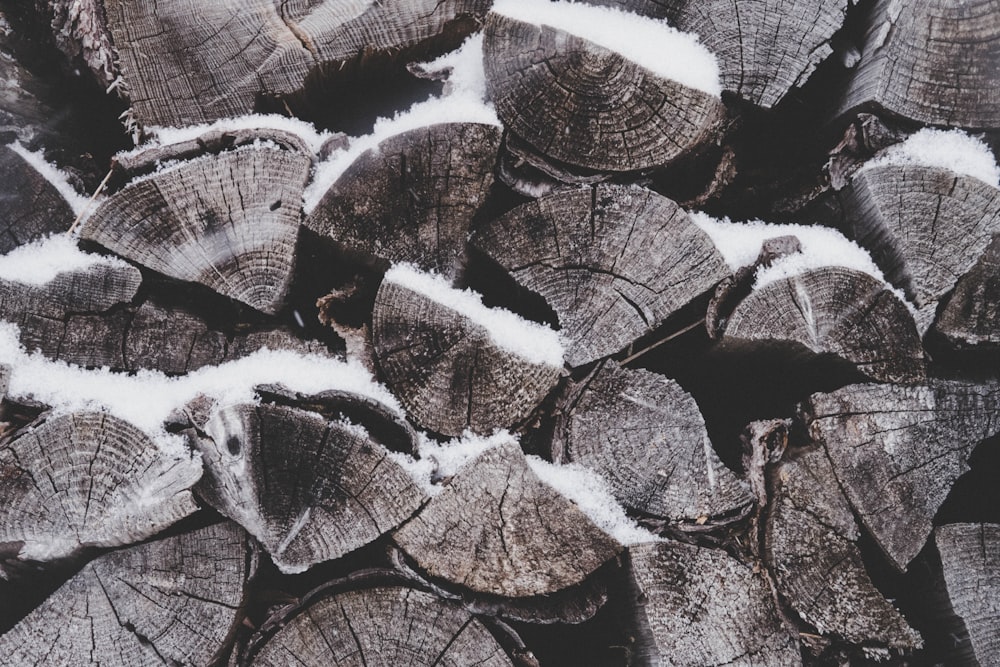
column 833, row 310
column 589, row 106
column 613, row 262
column 32, row 207
column 646, row 436
column 89, row 479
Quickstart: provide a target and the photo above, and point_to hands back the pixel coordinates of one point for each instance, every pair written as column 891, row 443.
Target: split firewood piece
column 925, row 227
column 613, row 262
column 32, row 207
column 970, row 557
column 809, row 546
column 915, row 53
column 832, row 310
column 382, row 626
column 497, row 529
column 89, row 479
column 645, row 435
column 971, row 318
column 698, row 606
column 413, row 197
column 588, row 105
column 227, row 221
column 308, row 488
column 897, row 450
column 455, row 364
column 172, row 601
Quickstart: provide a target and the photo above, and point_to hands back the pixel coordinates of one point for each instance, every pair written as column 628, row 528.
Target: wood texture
column 698, row 606
column 613, row 262
column 897, row 451
column 833, row 310
column 587, row 106
column 228, row 221
column 32, row 207
column 971, row 317
column 498, row 529
column 646, row 436
column 168, row 602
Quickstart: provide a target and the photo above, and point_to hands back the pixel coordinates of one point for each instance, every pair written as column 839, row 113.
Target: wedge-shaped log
column 172, row 601
column 613, row 262
column 645, row 435
column 227, row 221
column 382, row 626
column 897, row 451
column 832, row 310
column 585, row 105
column 925, row 227
column 697, row 606
column 927, row 61
column 32, row 207
column 413, row 197
column 810, row 547
column 308, row 488
column 971, row 318
column 89, row 479
column 498, row 529
column 970, row 557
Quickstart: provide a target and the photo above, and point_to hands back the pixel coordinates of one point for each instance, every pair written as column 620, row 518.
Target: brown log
column 971, row 316
column 32, row 207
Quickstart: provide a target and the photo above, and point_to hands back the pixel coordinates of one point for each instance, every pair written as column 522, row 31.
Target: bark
column 971, row 317
column 32, row 207
column 613, row 262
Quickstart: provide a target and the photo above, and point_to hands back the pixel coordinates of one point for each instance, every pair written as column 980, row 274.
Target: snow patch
column 165, row 136
column 40, row 261
column 440, row 460
column 55, row 176
column 650, row 43
column 947, row 149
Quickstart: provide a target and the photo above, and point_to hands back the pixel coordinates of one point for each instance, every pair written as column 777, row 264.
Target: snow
column 650, row 43
column 947, row 149
column 313, row 138
column 58, row 178
column 533, row 342
column 440, row 460
column 40, row 261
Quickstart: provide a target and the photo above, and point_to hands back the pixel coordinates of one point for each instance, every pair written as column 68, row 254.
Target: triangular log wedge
column 924, row 226
column 810, row 547
column 613, row 262
column 173, row 601
column 897, row 451
column 585, row 105
column 309, row 489
column 385, row 626
column 413, row 197
column 970, row 557
column 645, row 435
column 698, row 606
column 923, row 60
column 833, row 310
column 971, row 318
column 89, row 479
column 32, row 207
column 451, row 362
column 498, row 529
column 227, row 221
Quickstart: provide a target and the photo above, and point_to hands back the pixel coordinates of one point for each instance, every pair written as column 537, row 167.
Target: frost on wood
column 953, row 150
column 171, row 601
column 32, row 206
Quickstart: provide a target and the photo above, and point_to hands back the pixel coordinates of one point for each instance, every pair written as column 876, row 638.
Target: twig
column 633, row 357
column 90, row 202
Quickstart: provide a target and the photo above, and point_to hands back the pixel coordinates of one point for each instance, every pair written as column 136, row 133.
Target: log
column 696, row 606
column 413, row 197
column 924, row 62
column 89, row 479
column 836, row 311
column 32, row 206
column 971, row 317
column 381, row 626
column 172, row 601
column 897, row 450
column 227, row 221
column 970, row 557
column 451, row 367
column 613, row 262
column 308, row 488
column 588, row 106
column 645, row 435
column 499, row 530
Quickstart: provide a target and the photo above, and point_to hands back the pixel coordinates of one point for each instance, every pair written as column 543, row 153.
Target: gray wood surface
column 32, row 207
column 970, row 556
column 971, row 317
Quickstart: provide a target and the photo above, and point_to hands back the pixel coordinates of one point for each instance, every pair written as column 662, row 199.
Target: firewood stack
column 420, row 332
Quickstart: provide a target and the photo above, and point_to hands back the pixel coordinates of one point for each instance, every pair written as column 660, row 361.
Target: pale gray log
column 645, row 435
column 971, row 318
column 613, row 262
column 32, row 207
column 168, row 602
column 590, row 107
column 970, row 557
column 897, row 450
column 89, row 479
column 832, row 310
column 696, row 606
column 498, row 529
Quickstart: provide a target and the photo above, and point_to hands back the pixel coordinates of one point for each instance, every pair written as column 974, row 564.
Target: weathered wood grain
column 32, row 207
column 971, row 317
